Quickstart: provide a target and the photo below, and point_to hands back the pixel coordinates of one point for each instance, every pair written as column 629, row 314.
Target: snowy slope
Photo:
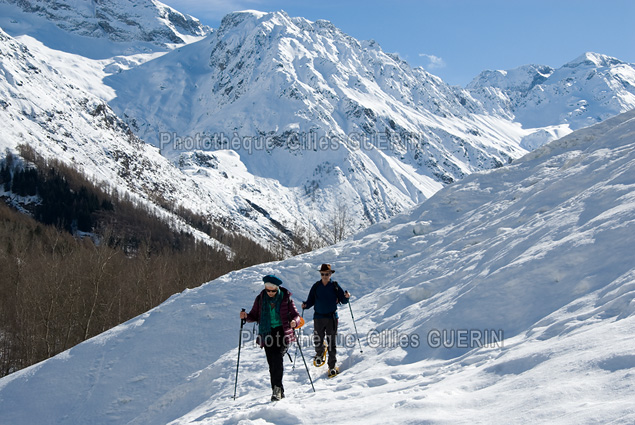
column 534, row 258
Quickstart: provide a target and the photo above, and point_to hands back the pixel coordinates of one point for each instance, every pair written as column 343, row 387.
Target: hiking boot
column 318, row 361
column 332, row 372
column 277, row 394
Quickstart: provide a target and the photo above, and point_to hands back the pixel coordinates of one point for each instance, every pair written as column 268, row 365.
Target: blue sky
column 457, row 39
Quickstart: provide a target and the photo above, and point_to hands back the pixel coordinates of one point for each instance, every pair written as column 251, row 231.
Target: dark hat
column 271, row 279
column 326, row 268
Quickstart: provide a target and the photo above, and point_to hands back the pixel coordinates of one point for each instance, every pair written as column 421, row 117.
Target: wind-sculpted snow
column 505, row 298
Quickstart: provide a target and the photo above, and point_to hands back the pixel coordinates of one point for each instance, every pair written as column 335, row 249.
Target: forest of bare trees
column 58, row 289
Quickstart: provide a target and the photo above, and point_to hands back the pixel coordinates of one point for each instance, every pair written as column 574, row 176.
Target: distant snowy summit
column 328, row 117
column 118, row 20
column 583, row 92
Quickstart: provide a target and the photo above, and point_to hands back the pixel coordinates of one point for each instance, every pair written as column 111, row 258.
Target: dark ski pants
column 275, row 349
column 326, row 329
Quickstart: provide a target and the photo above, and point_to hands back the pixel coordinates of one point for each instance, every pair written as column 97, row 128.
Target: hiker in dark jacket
column 324, row 296
column 277, row 316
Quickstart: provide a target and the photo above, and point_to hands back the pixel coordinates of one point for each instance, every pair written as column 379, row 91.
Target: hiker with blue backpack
column 324, row 296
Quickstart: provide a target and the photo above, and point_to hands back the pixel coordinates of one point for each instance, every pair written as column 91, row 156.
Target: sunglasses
column 272, row 291
column 325, row 274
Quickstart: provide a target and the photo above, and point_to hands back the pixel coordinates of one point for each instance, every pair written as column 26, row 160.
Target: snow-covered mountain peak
column 584, row 91
column 302, row 70
column 118, row 20
column 595, row 60
column 236, row 20
column 252, row 18
column 521, row 79
column 283, row 91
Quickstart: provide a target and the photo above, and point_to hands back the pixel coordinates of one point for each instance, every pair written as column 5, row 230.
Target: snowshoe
column 320, row 360
column 333, row 372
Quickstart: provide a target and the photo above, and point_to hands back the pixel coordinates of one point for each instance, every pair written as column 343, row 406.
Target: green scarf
column 269, row 313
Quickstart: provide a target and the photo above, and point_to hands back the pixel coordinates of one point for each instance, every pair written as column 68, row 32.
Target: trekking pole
column 296, row 349
column 307, row 367
column 356, row 334
column 240, row 342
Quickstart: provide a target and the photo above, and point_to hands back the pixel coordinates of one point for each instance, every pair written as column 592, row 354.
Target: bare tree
column 340, row 223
